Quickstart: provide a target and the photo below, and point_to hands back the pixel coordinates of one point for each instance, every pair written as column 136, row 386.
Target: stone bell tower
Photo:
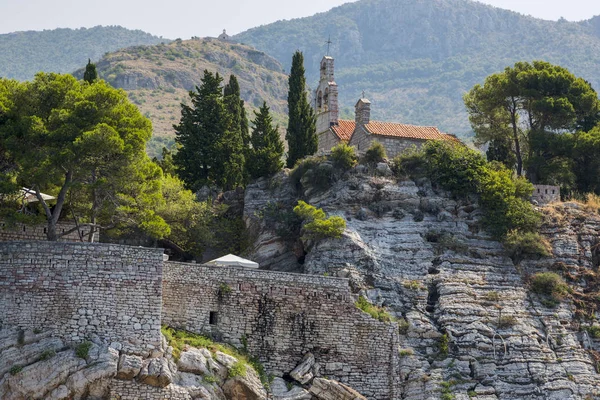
column 326, row 97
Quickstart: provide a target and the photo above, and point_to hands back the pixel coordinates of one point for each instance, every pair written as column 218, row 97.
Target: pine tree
column 211, row 150
column 301, row 133
column 90, row 75
column 267, row 147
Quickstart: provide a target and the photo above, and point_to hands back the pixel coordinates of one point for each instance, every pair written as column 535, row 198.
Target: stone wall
column 281, row 317
column 393, row 145
column 131, row 390
column 327, row 140
column 80, row 290
column 545, row 194
column 38, row 232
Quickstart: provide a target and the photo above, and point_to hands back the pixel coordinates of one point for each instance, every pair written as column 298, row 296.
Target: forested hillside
column 415, row 58
column 23, row 54
column 159, row 77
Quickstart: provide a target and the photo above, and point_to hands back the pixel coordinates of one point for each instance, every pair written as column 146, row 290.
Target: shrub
column 237, row 369
column 15, row 369
column 506, row 321
column 403, row 326
column 82, row 350
column 302, row 166
column 443, row 344
column 411, row 163
column 405, row 352
column 343, row 156
column 376, row 312
column 317, row 226
column 47, row 354
column 521, row 244
column 492, row 296
column 549, row 284
column 375, row 153
column 594, row 331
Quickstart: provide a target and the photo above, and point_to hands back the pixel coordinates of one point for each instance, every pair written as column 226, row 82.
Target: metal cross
column 363, row 94
column 328, row 43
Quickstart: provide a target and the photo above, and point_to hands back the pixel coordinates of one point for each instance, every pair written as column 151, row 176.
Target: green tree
column 267, row 147
column 85, row 144
column 530, row 99
column 90, row 75
column 211, row 149
column 301, row 132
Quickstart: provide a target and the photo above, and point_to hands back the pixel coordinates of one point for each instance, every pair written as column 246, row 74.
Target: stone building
column 224, row 35
column 362, row 131
column 545, row 194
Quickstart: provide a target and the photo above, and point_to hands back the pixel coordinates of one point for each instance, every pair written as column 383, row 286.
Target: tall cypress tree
column 210, row 150
column 235, row 104
column 237, row 143
column 90, row 75
column 301, row 133
column 267, row 147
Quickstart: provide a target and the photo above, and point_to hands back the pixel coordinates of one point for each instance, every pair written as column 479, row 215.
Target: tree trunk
column 513, row 120
column 53, row 215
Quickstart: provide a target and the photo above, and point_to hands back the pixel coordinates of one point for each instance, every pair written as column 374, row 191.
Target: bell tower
column 326, row 97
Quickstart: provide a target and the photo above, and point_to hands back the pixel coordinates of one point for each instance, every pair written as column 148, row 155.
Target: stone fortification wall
column 38, row 232
column 280, row 317
column 545, row 194
column 79, row 290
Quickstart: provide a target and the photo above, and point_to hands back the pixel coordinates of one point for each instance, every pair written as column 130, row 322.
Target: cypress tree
column 210, row 150
column 237, row 144
column 235, row 104
column 267, row 147
column 90, row 75
column 301, row 133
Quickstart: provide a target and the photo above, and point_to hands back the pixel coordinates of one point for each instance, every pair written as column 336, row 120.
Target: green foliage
column 316, row 225
column 594, row 331
column 82, row 350
column 267, row 148
column 403, row 326
column 209, row 378
column 465, row 172
column 301, row 131
column 91, row 142
column 284, row 220
column 211, row 148
column 375, row 153
column 522, row 244
column 551, row 285
column 237, row 369
column 405, row 352
column 378, row 313
column 443, row 344
column 343, row 156
column 224, row 289
column 90, row 75
column 24, row 54
column 46, row 355
column 303, row 166
column 15, row 369
column 506, row 321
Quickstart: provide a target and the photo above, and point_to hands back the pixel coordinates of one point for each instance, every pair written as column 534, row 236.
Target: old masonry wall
column 280, row 317
column 79, row 290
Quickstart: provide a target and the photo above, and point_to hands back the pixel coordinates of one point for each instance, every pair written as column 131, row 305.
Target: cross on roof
column 328, row 43
column 363, row 94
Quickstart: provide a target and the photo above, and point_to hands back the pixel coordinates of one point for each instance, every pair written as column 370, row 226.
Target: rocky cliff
column 470, row 325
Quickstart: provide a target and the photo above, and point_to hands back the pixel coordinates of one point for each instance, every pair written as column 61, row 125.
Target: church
column 361, row 132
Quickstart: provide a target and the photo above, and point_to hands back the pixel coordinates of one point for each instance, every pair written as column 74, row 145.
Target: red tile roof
column 344, row 129
column 407, row 131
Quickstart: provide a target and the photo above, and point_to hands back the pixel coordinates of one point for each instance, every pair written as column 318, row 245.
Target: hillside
column 159, row 77
column 23, row 54
column 415, row 58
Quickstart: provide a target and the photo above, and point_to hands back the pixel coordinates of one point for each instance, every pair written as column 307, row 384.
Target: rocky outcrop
column 470, row 325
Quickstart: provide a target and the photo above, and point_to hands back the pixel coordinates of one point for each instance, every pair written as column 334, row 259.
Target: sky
column 186, row 18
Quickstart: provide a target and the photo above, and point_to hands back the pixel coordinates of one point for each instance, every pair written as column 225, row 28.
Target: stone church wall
column 280, row 317
column 37, row 232
column 82, row 289
column 327, row 140
column 393, row 146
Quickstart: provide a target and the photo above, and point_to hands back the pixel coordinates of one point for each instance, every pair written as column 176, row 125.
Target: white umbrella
column 231, row 260
column 30, row 197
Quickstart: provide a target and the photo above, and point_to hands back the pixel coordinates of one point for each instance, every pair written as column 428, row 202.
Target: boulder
column 129, row 366
column 303, row 371
column 326, row 389
column 156, row 372
column 280, row 391
column 245, row 387
column 193, row 360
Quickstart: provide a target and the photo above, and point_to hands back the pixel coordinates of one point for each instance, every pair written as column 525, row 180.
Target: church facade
column 361, row 132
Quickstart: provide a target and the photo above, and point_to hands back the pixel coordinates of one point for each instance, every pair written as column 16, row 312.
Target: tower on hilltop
column 326, row 97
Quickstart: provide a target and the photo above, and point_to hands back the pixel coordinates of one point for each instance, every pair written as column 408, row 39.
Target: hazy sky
column 186, row 18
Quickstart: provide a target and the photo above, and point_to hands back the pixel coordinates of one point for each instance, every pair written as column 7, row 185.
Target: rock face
column 326, row 389
column 469, row 323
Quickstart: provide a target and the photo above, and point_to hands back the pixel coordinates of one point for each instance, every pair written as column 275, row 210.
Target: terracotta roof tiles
column 344, row 129
column 407, row 131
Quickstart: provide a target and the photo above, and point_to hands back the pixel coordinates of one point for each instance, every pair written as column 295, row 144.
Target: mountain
column 415, row 58
column 23, row 54
column 158, row 78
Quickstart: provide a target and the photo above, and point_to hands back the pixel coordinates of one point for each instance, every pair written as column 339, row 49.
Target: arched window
column 326, row 97
column 319, row 99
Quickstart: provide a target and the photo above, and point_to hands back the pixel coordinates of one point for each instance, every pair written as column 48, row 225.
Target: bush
column 82, row 350
column 343, row 156
column 506, row 321
column 237, row 369
column 317, row 226
column 411, row 163
column 47, row 354
column 304, row 165
column 521, row 244
column 549, row 284
column 443, row 344
column 375, row 153
column 594, row 331
column 376, row 312
column 15, row 369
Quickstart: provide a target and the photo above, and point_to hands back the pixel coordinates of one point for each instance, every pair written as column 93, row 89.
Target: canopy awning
column 30, row 197
column 231, row 260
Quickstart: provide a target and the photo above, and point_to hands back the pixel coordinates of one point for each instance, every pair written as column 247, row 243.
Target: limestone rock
column 225, row 359
column 246, row 387
column 156, row 372
column 326, row 389
column 129, row 366
column 303, row 372
column 99, row 373
column 280, row 391
column 193, row 360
